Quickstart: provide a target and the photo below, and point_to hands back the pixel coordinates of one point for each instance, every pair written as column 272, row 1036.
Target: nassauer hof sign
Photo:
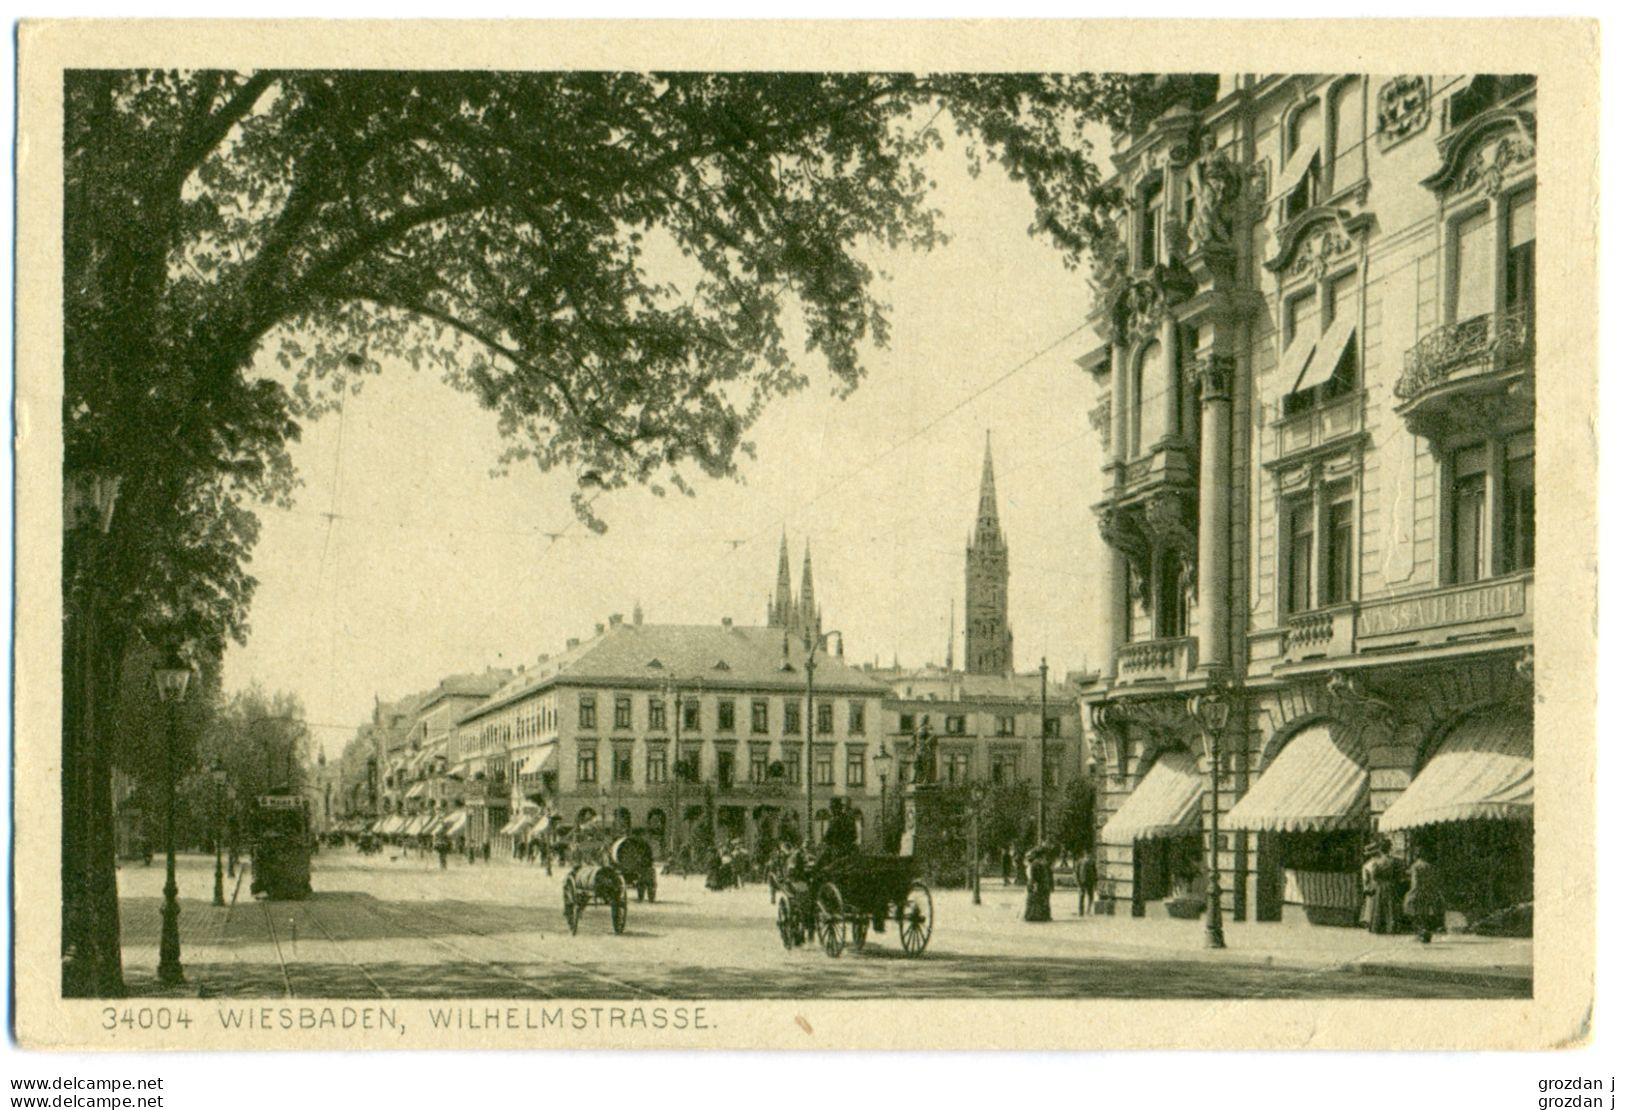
column 1480, row 603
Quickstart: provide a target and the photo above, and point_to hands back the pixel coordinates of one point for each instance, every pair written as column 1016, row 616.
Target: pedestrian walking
column 1007, row 863
column 442, row 848
column 485, row 852
column 1040, row 882
column 1088, row 876
column 1424, row 902
column 1382, row 874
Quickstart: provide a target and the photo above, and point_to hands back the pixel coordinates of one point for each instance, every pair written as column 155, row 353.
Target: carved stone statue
column 1218, row 186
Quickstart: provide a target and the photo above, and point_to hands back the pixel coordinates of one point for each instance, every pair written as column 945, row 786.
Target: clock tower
column 988, row 644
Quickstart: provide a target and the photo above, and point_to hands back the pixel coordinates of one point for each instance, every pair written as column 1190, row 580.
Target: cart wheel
column 572, row 911
column 915, row 918
column 831, row 920
column 858, row 933
column 617, row 914
column 789, row 930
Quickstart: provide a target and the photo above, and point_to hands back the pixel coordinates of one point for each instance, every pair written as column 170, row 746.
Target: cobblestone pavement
column 400, row 927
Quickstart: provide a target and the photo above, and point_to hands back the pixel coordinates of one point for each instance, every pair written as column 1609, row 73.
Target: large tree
column 604, row 259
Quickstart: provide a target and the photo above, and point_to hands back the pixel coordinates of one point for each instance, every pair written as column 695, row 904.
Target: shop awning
column 1328, row 352
column 1167, row 802
column 1485, row 768
column 417, row 790
column 1313, row 785
column 391, row 825
column 454, row 823
column 539, row 829
column 517, row 825
column 545, row 758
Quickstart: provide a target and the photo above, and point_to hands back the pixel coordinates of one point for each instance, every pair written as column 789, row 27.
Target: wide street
column 397, row 926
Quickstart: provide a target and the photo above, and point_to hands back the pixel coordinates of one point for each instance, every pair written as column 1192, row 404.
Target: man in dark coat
column 1088, row 876
column 841, row 838
column 1424, row 902
column 1040, row 882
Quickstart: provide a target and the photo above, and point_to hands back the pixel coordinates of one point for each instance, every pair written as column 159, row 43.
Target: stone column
column 1170, row 367
column 1213, row 378
column 1114, row 583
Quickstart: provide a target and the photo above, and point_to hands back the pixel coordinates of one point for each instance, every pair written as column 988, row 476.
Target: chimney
column 727, row 622
column 615, row 620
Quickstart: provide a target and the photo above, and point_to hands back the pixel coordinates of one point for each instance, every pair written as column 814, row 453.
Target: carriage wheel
column 858, row 933
column 915, row 918
column 572, row 911
column 789, row 929
column 617, row 914
column 831, row 911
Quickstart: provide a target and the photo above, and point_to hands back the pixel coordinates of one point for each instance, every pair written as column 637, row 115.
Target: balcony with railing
column 1167, row 660
column 1320, row 634
column 1167, row 464
column 1489, row 358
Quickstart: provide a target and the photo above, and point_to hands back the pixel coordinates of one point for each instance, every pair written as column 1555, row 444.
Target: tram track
column 276, row 943
column 400, row 919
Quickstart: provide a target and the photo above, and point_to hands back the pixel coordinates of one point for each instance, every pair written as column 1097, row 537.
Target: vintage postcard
column 805, row 535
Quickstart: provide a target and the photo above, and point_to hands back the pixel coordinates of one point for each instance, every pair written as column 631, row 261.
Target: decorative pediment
column 1315, row 239
column 1478, row 158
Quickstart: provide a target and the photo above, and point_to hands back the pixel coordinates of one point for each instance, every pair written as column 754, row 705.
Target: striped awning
column 544, row 758
column 1485, row 768
column 517, row 825
column 1313, row 785
column 454, row 823
column 1168, row 802
column 539, row 828
column 417, row 790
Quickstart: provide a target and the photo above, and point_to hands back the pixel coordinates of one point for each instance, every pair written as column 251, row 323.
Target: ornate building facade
column 1316, row 352
column 989, row 646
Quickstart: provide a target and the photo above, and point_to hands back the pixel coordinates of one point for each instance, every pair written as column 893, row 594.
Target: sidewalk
column 1451, row 957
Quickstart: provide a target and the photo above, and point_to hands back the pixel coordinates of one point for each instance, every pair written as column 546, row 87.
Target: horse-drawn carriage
column 836, row 901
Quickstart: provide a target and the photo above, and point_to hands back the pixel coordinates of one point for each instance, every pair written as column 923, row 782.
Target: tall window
column 588, row 714
column 1346, row 133
column 905, row 722
column 1052, row 727
column 622, row 768
column 725, row 770
column 1473, row 279
column 1518, row 508
column 758, row 716
column 1339, row 585
column 826, row 717
column 689, row 768
column 623, row 712
column 824, row 769
column 758, row 765
column 1520, row 256
column 1146, row 413
column 1171, row 601
column 586, row 766
column 1004, row 726
column 790, row 759
column 1151, row 224
column 1300, row 559
column 792, row 717
column 691, row 715
column 654, row 767
column 1321, row 357
column 954, row 725
column 1467, row 513
column 956, row 767
column 1302, row 177
column 1052, row 769
column 1006, row 768
column 854, row 718
column 657, row 714
column 854, row 767
column 725, row 714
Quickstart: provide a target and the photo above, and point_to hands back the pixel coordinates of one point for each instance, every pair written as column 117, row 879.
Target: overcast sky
column 430, row 566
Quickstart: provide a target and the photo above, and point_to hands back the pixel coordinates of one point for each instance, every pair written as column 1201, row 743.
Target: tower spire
column 779, row 614
column 988, row 643
column 987, row 508
column 811, row 619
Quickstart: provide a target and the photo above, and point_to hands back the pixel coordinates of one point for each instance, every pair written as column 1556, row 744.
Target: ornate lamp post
column 1211, row 708
column 882, row 768
column 813, row 645
column 171, row 677
column 978, row 794
column 218, row 773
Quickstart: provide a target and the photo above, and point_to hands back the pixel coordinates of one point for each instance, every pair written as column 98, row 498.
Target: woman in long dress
column 1040, row 882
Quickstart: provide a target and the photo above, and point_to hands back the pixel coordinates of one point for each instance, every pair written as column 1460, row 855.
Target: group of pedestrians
column 1394, row 892
column 1036, row 869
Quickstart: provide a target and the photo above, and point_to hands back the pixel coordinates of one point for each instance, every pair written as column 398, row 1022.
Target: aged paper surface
column 962, row 1013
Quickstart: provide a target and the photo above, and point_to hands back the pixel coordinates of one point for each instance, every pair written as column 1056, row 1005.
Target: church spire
column 810, row 617
column 987, row 509
column 988, row 643
column 781, row 597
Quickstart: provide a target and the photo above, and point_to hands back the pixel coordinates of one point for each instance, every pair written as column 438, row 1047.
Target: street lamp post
column 978, row 792
column 1211, row 708
column 812, row 651
column 218, row 773
column 1043, row 742
column 882, row 766
column 171, row 677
